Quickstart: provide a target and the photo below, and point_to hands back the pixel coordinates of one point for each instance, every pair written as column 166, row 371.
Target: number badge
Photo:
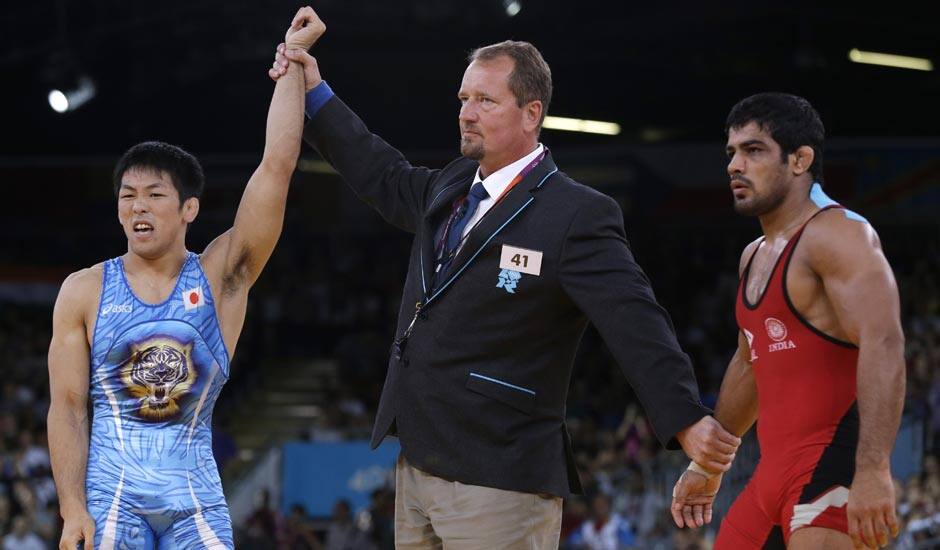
column 521, row 260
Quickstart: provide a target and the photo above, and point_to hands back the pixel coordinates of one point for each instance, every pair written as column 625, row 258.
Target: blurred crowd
column 371, row 528
column 322, row 296
column 29, row 517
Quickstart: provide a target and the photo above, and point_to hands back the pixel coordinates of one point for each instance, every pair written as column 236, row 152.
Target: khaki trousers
column 433, row 513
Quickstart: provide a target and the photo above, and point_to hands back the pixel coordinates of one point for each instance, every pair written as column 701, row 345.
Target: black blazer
column 478, row 393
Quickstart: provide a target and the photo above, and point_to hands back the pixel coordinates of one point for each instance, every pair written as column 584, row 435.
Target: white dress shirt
column 495, row 184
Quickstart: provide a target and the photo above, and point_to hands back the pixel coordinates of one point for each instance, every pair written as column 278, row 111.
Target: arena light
column 890, row 60
column 58, row 101
column 581, row 125
column 69, row 99
column 513, row 7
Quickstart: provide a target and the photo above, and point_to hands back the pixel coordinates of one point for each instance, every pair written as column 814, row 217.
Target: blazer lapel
column 500, row 216
column 438, row 210
column 444, row 198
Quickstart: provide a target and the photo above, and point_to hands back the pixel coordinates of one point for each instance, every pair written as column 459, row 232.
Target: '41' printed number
column 519, row 259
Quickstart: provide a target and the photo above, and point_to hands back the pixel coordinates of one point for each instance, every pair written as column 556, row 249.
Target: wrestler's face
column 760, row 175
column 150, row 212
column 492, row 124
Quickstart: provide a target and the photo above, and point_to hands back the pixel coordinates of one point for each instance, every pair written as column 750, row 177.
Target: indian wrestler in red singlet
column 819, row 363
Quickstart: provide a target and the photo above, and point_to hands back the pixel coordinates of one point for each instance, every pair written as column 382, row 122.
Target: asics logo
column 116, row 308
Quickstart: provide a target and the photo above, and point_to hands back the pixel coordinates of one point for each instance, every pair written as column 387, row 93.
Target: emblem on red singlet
column 778, row 333
column 775, row 329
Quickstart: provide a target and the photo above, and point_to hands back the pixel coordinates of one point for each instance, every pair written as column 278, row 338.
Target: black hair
column 790, row 120
column 183, row 168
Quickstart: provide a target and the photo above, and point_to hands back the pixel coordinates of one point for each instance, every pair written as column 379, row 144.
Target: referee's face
column 492, row 124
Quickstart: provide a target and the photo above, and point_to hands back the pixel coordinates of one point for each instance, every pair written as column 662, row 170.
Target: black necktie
column 455, row 232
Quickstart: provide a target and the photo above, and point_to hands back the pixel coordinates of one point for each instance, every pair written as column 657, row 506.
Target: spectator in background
column 21, row 537
column 380, row 519
column 4, row 512
column 573, row 515
column 9, row 426
column 299, row 533
column 46, row 521
column 919, row 507
column 687, row 540
column 261, row 526
column 343, row 534
column 33, row 458
column 6, row 462
column 605, row 530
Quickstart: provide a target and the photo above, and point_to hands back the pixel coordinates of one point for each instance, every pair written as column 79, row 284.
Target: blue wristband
column 317, row 98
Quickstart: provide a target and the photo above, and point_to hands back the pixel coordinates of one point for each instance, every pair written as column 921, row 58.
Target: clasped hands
column 712, row 450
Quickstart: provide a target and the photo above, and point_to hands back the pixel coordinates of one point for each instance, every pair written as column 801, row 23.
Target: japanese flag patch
column 193, row 298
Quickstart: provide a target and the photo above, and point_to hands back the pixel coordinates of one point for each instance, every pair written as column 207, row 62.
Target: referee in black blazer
column 510, row 261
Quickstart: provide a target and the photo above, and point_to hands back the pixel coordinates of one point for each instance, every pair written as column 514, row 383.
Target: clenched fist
column 709, row 444
column 304, row 30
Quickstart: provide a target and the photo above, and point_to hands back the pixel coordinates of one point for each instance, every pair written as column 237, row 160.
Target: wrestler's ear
column 190, row 209
column 802, row 159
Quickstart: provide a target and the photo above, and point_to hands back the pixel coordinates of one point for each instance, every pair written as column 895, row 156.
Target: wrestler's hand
column 871, row 508
column 76, row 529
column 304, row 30
column 692, row 499
column 709, row 444
column 283, row 56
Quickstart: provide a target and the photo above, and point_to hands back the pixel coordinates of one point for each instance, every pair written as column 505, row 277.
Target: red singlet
column 807, row 423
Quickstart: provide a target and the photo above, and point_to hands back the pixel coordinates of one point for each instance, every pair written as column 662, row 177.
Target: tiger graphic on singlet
column 156, row 372
column 807, row 423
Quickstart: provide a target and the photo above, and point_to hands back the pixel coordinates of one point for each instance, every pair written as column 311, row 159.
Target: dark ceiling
column 194, row 72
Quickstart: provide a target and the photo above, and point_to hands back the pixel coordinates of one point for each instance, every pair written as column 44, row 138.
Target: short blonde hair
column 531, row 78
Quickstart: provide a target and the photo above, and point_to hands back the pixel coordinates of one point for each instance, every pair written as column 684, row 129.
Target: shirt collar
column 496, row 182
